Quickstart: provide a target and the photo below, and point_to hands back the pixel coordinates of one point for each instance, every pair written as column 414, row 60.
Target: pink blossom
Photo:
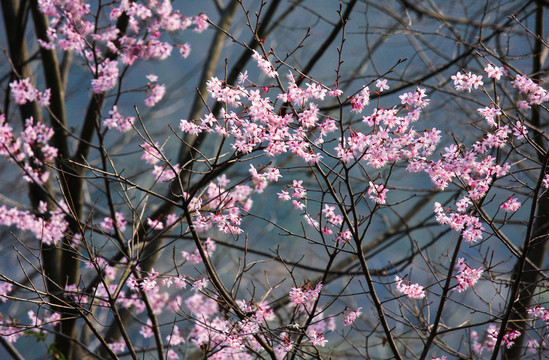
column 466, row 82
column 360, row 100
column 535, row 94
column 511, row 205
column 264, row 65
column 316, row 338
column 490, row 113
column 284, row 195
column 545, row 181
column 335, row 92
column 172, row 355
column 200, row 284
column 117, row 121
column 242, row 77
column 175, row 338
column 5, row 288
column 165, row 173
column 533, row 346
column 200, row 22
column 305, row 294
column 155, row 93
column 377, row 193
column 107, row 76
column 381, row 84
column 539, row 312
column 146, row 330
column 184, row 50
column 155, row 224
column 467, row 276
column 150, row 153
column 413, row 291
column 495, row 72
column 351, row 316
column 49, row 231
column 23, row 91
column 118, row 346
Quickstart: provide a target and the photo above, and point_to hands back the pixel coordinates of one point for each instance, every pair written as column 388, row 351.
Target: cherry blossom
column 413, row 291
column 117, row 121
column 264, row 65
column 351, row 316
column 467, row 276
column 381, row 84
column 107, row 76
column 316, row 338
column 511, row 205
column 377, row 193
column 495, row 72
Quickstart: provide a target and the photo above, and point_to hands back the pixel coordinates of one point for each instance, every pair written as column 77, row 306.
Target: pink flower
column 377, row 193
column 467, row 276
column 351, row 316
column 382, row 85
column 200, row 284
column 360, row 100
column 118, row 346
column 155, row 94
column 466, row 82
column 23, row 91
column 545, row 181
column 146, row 330
column 413, row 291
column 316, row 338
column 200, row 22
column 264, row 65
column 155, row 224
column 172, row 355
column 511, row 205
column 117, row 121
column 165, row 173
column 150, row 153
column 489, row 113
column 107, row 76
column 5, row 288
column 184, row 50
column 335, row 92
column 305, row 294
column 495, row 72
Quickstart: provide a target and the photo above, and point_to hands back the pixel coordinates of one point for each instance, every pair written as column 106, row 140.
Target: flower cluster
column 195, row 258
column 222, row 207
column 305, row 295
column 511, row 205
column 413, row 291
column 539, row 312
column 11, row 331
column 155, row 92
column 469, row 225
column 351, row 316
column 106, row 76
column 117, row 121
column 23, row 91
column 491, row 338
column 468, row 81
column 535, row 94
column 360, row 100
column 73, row 27
column 378, row 193
column 467, row 276
column 264, row 65
column 108, row 224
